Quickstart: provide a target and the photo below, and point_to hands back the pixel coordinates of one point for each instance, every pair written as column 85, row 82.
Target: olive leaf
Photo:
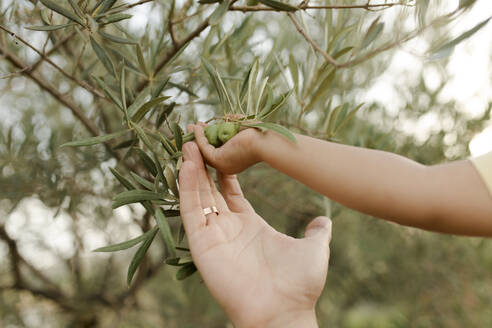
column 94, row 140
column 165, row 232
column 107, row 90
column 115, row 18
column 141, row 60
column 139, row 256
column 107, row 4
column 147, row 161
column 62, row 11
column 144, row 182
column 116, row 39
column 145, row 108
column 134, row 196
column 274, row 127
column 278, row 5
column 372, row 33
column 178, row 135
column 48, row 28
column 124, row 181
column 447, row 49
column 103, row 56
column 185, row 271
column 76, row 8
column 219, row 12
column 127, row 244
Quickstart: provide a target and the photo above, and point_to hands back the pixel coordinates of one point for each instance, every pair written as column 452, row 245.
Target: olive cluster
column 219, row 134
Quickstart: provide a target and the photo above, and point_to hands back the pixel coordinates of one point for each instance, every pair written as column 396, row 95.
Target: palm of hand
column 253, row 271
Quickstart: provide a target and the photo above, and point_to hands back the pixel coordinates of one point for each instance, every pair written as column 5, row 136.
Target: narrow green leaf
column 144, row 109
column 124, row 181
column 165, row 232
column 179, row 261
column 178, row 135
column 107, row 90
column 294, row 70
column 185, row 271
column 322, row 89
column 167, row 145
column 62, row 11
column 139, row 256
column 160, row 173
column 139, row 101
column 278, row 5
column 103, row 56
column 134, row 196
column 166, row 111
column 147, row 161
column 76, row 8
column 219, row 12
column 125, row 144
column 171, row 180
column 96, row 5
column 159, row 88
column 144, row 182
column 347, row 118
column 107, row 4
column 123, row 91
column 244, row 85
column 274, row 127
column 141, row 60
column 372, row 33
column 333, row 118
column 447, row 48
column 94, row 140
column 183, row 88
column 116, row 39
column 47, row 28
column 172, row 213
column 181, row 233
column 279, row 102
column 341, row 52
column 142, row 136
column 127, row 244
column 115, row 18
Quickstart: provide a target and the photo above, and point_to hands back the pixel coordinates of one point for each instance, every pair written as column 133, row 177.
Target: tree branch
column 82, row 83
column 306, row 6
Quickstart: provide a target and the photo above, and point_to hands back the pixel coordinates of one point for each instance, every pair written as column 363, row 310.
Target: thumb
column 319, row 228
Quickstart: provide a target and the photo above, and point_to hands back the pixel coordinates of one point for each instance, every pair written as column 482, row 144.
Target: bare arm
column 448, row 198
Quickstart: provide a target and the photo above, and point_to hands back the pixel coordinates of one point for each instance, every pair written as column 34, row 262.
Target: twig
column 305, row 6
column 43, row 84
column 61, row 70
column 311, row 41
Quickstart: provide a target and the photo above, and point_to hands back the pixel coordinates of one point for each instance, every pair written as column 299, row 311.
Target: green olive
column 252, row 2
column 211, row 132
column 227, row 130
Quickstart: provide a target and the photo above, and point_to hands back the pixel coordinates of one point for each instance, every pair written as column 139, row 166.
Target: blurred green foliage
column 380, row 275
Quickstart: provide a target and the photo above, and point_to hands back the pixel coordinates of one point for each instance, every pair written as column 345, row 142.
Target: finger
column 233, row 195
column 189, row 128
column 192, row 153
column 208, row 151
column 320, row 229
column 221, row 203
column 189, row 198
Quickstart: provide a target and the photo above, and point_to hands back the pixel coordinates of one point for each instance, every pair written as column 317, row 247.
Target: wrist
column 305, row 319
column 291, row 319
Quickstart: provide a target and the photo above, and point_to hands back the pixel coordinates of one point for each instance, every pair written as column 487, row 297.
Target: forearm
column 378, row 183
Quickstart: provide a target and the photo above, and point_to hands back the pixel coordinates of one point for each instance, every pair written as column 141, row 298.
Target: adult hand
column 234, row 156
column 260, row 277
